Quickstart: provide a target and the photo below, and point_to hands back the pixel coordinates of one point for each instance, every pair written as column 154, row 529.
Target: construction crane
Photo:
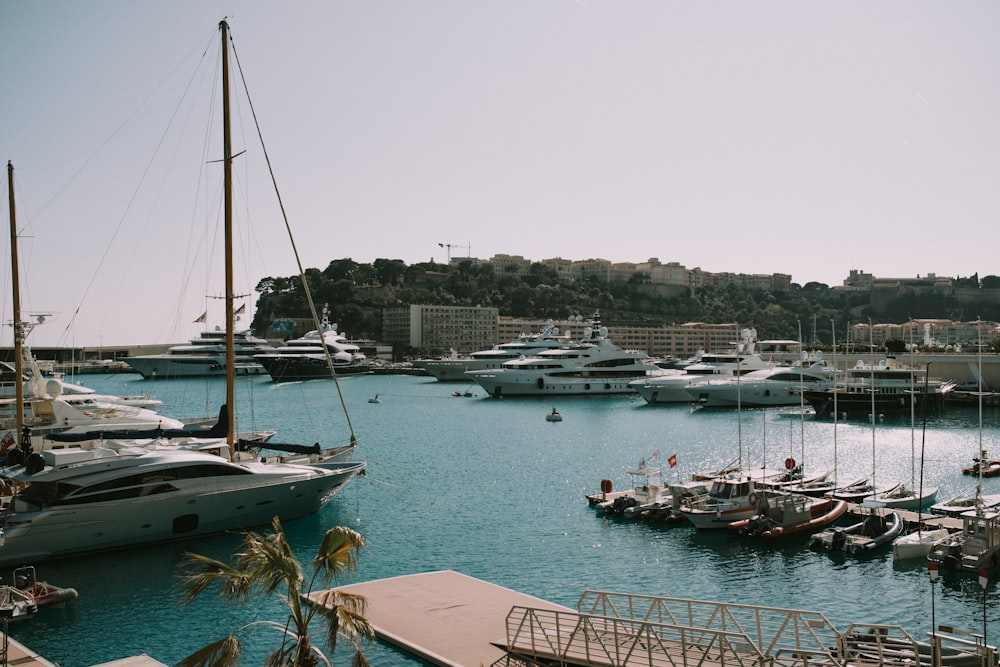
column 449, row 246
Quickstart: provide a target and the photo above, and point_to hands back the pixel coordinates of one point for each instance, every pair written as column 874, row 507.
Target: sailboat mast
column 16, row 290
column 227, row 159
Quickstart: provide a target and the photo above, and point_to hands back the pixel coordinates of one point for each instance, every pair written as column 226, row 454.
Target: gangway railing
column 866, row 644
column 585, row 640
column 786, row 635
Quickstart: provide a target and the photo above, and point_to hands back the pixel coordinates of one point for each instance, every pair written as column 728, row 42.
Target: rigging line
column 295, row 250
column 118, row 130
column 128, row 207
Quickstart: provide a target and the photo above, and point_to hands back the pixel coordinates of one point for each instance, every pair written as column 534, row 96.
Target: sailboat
column 137, row 495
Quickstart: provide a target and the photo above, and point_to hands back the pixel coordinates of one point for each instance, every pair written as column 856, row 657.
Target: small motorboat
column 43, row 593
column 16, row 605
column 783, row 514
column 983, row 466
column 553, row 416
column 872, row 531
column 375, row 399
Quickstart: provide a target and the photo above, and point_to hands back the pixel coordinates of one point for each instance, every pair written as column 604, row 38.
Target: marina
column 487, row 488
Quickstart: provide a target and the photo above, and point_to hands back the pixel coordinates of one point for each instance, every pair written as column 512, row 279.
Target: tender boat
column 16, row 605
column 44, row 593
column 305, row 359
column 73, row 501
column 647, row 493
column 594, row 366
column 886, row 387
column 917, row 543
column 203, row 356
column 983, row 466
column 453, row 368
column 782, row 514
column 873, row 530
column 975, row 548
column 903, row 497
column 681, row 386
column 553, row 416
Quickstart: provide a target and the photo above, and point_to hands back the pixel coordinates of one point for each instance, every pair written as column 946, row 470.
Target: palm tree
column 267, row 565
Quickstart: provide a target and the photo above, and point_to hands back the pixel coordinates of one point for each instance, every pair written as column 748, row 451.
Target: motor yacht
column 203, row 356
column 75, row 501
column 885, row 387
column 678, row 386
column 454, row 367
column 594, row 365
column 777, row 385
column 305, row 359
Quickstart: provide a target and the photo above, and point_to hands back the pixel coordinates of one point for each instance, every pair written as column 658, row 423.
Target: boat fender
column 753, row 498
column 34, row 463
column 605, row 486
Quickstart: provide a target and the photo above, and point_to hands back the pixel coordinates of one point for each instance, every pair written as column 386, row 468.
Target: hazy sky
column 807, row 138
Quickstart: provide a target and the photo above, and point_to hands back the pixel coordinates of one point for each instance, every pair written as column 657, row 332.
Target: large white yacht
column 304, row 358
column 74, row 501
column 453, row 368
column 594, row 365
column 204, row 356
column 676, row 386
column 778, row 385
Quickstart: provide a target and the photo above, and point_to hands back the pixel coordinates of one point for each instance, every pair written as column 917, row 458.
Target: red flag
column 672, row 460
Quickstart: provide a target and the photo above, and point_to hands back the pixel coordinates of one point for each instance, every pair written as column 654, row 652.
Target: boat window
column 45, row 493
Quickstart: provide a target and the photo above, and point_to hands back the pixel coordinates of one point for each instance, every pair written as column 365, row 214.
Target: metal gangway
column 628, row 630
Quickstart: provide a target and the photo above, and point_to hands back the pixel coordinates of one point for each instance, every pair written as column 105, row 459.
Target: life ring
column 605, row 486
column 789, row 463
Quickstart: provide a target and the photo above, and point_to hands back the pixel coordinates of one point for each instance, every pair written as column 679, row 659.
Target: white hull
column 917, row 545
column 453, row 370
column 665, row 390
column 504, row 383
column 718, row 517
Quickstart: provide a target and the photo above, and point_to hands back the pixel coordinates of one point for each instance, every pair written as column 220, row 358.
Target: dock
column 445, row 618
column 454, row 620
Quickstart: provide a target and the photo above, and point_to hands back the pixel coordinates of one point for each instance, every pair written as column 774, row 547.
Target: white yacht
column 677, row 386
column 453, row 368
column 304, row 358
column 777, row 385
column 75, row 501
column 594, row 365
column 204, row 356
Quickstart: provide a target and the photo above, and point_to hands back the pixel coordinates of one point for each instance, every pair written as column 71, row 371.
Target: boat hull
column 202, row 508
column 166, row 367
column 857, row 403
column 497, row 384
column 293, row 369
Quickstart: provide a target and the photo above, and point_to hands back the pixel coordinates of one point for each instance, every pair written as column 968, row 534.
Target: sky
column 804, row 138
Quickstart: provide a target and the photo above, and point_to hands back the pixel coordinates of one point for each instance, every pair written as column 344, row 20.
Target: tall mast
column 227, row 159
column 16, row 289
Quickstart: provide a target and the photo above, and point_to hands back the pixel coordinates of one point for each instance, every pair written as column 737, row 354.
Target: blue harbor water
column 489, row 488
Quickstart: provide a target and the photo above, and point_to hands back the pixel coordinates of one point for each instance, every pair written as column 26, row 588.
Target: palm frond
column 225, row 652
column 235, row 584
column 337, row 552
column 359, row 659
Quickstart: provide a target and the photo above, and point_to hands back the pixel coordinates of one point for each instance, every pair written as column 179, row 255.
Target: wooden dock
column 445, row 618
